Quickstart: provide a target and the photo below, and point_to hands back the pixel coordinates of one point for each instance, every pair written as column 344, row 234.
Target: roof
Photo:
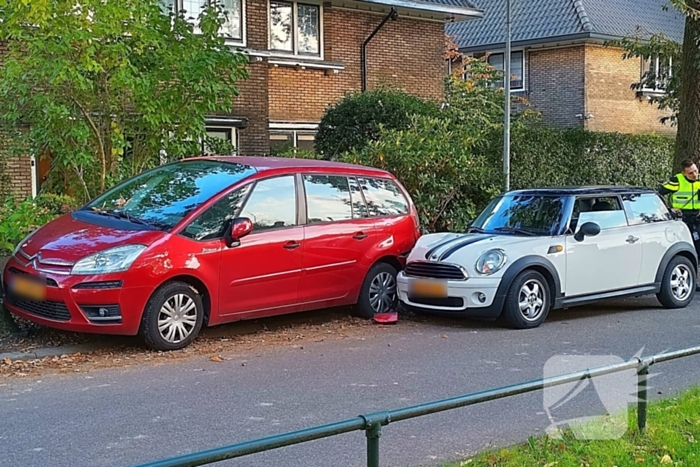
column 582, row 190
column 540, row 21
column 265, row 163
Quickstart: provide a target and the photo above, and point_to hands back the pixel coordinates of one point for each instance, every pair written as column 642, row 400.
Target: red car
column 210, row 240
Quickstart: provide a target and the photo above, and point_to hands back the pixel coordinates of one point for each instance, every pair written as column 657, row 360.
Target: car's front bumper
column 94, row 304
column 473, row 297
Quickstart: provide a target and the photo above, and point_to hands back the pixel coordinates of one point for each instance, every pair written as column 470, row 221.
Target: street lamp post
column 506, row 125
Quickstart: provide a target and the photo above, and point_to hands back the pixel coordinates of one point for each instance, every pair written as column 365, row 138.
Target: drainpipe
column 393, row 15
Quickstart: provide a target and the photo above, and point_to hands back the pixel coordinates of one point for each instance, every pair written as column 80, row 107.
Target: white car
column 531, row 251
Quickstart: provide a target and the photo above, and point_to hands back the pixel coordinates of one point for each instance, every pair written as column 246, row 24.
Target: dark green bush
column 357, row 119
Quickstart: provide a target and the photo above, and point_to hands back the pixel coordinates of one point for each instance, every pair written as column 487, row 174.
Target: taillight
column 416, row 224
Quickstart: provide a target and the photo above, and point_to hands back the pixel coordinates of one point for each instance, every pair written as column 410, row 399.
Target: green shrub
column 357, row 118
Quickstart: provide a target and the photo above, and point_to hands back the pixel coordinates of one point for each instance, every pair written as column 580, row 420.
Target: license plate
column 34, row 289
column 425, row 288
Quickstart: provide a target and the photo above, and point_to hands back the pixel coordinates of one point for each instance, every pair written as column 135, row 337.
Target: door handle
column 291, row 245
column 360, row 236
column 632, row 239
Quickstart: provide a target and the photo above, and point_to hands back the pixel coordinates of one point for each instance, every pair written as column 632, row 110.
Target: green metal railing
column 372, row 423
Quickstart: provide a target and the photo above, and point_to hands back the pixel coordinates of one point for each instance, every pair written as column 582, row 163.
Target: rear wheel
column 378, row 293
column 173, row 317
column 678, row 283
column 528, row 301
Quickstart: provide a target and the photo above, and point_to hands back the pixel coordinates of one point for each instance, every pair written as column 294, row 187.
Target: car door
column 338, row 236
column 262, row 273
column 653, row 223
column 608, row 261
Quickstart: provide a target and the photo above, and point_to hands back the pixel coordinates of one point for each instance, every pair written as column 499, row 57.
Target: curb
column 50, row 352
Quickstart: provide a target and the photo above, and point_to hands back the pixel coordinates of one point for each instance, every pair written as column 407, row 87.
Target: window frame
column 523, row 61
column 576, row 198
column 177, row 6
column 300, row 216
column 293, row 130
column 347, row 178
column 235, row 137
column 644, row 68
column 295, row 31
column 384, row 216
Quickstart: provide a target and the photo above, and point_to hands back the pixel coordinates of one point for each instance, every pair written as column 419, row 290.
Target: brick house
column 304, row 56
column 561, row 64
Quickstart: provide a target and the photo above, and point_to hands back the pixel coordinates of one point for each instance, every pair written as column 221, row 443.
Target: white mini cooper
column 531, row 251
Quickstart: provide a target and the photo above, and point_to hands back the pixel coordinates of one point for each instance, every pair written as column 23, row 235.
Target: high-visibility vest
column 686, row 194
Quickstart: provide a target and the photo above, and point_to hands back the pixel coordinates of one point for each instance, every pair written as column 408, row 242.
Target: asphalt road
column 127, row 416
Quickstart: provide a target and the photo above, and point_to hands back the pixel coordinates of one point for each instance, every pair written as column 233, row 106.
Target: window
column 272, row 204
column 384, row 198
column 522, row 215
column 517, row 66
column 281, row 140
column 645, row 209
column 210, row 224
column 295, row 28
column 656, row 72
column 604, row 211
column 233, row 26
column 327, row 198
column 220, row 140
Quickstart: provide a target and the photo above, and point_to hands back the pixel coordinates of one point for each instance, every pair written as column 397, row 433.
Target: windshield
column 522, row 215
column 162, row 197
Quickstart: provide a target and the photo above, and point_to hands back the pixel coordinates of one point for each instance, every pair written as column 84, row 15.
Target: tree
column 682, row 96
column 108, row 88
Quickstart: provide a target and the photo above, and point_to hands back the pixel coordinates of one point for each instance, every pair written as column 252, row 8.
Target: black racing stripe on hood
column 440, row 245
column 461, row 245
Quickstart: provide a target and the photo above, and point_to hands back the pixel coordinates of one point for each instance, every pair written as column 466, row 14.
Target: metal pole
column 642, row 375
column 506, row 126
column 373, row 434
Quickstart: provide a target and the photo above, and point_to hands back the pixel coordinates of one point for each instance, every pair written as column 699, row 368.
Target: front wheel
column 173, row 317
column 678, row 283
column 528, row 301
column 378, row 293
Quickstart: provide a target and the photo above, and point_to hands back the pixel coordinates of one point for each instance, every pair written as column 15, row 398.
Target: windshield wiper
column 515, row 230
column 475, row 229
column 123, row 215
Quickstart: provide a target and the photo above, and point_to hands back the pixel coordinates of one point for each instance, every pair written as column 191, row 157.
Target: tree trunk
column 688, row 135
column 7, row 324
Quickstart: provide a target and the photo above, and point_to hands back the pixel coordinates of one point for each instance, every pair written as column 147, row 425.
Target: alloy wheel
column 681, row 282
column 531, row 299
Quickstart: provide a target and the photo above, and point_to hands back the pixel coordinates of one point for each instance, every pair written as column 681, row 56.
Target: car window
column 384, row 198
column 604, row 211
column 272, row 204
column 327, row 198
column 359, row 208
column 645, row 208
column 210, row 224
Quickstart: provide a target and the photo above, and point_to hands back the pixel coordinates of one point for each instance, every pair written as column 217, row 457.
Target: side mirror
column 589, row 229
column 236, row 229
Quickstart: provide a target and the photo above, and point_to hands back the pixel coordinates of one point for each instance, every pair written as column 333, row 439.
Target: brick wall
column 405, row 52
column 611, row 100
column 16, row 176
column 555, row 80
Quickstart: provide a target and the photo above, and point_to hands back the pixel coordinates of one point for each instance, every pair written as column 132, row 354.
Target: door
column 263, row 272
column 608, row 261
column 653, row 223
column 339, row 237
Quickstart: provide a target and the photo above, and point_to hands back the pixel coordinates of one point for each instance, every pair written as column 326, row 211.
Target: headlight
column 490, row 262
column 105, row 262
column 19, row 245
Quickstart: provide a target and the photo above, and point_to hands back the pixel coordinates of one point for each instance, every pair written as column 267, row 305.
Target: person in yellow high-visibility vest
column 684, row 198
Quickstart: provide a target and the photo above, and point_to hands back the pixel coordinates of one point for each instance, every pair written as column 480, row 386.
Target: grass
column 671, row 437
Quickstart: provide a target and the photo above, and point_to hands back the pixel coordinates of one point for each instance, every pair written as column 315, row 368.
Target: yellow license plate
column 28, row 288
column 423, row 288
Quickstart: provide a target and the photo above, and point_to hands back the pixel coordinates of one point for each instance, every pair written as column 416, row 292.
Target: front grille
column 434, row 270
column 99, row 285
column 452, row 302
column 57, row 311
column 50, row 282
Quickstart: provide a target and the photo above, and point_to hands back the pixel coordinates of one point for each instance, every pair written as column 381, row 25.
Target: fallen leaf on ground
column 216, row 359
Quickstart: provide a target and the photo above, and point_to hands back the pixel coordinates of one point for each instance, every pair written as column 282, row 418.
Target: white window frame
column 177, row 5
column 295, row 27
column 523, row 61
column 235, row 137
column 644, row 64
column 295, row 129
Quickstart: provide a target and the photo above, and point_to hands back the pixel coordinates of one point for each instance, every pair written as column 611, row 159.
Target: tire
column 172, row 298
column 678, row 283
column 528, row 301
column 378, row 293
